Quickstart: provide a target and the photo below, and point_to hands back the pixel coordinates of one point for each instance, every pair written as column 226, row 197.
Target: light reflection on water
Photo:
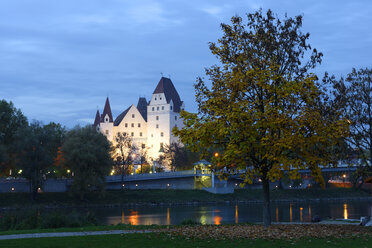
column 240, row 213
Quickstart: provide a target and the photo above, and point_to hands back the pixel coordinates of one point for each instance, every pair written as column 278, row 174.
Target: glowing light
column 290, row 213
column 136, row 185
column 12, row 189
column 150, row 172
column 217, row 220
column 344, row 175
column 216, row 154
column 133, row 217
column 301, row 219
column 20, row 171
column 345, row 211
column 68, row 171
column 168, row 184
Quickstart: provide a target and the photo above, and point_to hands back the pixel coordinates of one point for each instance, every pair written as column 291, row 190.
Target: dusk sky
column 60, row 59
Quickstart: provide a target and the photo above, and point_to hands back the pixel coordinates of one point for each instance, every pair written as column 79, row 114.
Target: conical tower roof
column 96, row 120
column 107, row 111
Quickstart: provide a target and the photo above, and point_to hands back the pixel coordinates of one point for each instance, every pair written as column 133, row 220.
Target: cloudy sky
column 59, row 59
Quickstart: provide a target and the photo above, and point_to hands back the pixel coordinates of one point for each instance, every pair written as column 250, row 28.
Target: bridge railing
column 144, row 176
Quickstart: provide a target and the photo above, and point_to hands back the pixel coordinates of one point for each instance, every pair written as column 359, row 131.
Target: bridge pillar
column 212, row 179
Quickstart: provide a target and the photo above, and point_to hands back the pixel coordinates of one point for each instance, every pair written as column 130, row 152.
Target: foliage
column 264, row 108
column 124, row 148
column 353, row 96
column 87, row 154
column 36, row 147
column 11, row 120
column 34, row 219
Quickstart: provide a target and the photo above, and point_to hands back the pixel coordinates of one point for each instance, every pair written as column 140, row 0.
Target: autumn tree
column 262, row 107
column 353, row 96
column 88, row 154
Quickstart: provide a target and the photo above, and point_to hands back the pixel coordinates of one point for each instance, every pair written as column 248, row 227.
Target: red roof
column 166, row 86
column 107, row 111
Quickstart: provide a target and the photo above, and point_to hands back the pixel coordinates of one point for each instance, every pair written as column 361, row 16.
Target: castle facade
column 149, row 123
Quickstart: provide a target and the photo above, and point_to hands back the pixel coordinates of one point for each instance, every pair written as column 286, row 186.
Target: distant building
column 149, row 124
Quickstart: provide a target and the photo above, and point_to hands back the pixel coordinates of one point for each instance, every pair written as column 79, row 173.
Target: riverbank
column 175, row 197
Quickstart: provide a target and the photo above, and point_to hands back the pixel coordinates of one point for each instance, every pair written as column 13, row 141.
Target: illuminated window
column 107, row 132
column 132, row 134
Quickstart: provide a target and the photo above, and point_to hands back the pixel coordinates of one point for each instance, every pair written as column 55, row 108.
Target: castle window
column 161, row 145
column 143, row 146
column 132, row 124
column 157, row 118
column 152, row 135
column 161, row 134
column 157, row 125
column 156, row 99
column 132, row 115
column 141, row 134
column 160, row 98
column 139, row 124
column 157, row 108
column 162, row 107
column 171, row 107
column 118, row 134
column 106, row 119
column 107, row 132
column 153, row 108
column 126, row 124
column 132, row 134
column 175, row 117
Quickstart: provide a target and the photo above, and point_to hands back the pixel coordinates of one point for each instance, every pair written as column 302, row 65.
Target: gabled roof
column 107, row 111
column 121, row 117
column 142, row 107
column 166, row 86
column 96, row 120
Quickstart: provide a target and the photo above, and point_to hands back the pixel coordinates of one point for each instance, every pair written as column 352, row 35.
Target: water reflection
column 345, row 211
column 133, row 217
column 168, row 217
column 237, row 213
column 277, row 214
column 217, row 220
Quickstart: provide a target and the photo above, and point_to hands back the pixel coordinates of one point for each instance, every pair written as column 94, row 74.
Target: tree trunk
column 266, row 202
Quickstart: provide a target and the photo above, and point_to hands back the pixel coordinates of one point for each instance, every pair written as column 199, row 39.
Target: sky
column 59, row 60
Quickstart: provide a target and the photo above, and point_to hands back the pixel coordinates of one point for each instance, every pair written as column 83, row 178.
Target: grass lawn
column 162, row 240
column 172, row 196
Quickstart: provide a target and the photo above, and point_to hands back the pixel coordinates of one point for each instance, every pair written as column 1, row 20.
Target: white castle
column 149, row 124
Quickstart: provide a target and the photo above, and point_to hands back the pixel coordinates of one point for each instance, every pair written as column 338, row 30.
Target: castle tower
column 163, row 114
column 106, row 122
column 97, row 120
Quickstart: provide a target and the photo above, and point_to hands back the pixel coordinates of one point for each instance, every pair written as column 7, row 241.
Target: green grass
column 161, row 240
column 171, row 196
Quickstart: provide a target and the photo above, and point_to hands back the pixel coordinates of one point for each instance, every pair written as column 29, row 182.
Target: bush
column 34, row 219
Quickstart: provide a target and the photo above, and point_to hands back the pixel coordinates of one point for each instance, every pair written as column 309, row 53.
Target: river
column 227, row 213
